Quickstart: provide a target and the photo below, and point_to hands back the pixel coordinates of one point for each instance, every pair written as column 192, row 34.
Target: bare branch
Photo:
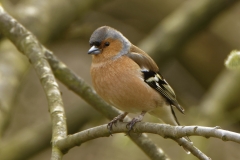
column 164, row 130
column 191, row 148
column 29, row 45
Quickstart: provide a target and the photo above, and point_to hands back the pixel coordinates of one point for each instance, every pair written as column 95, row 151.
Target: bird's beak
column 94, row 50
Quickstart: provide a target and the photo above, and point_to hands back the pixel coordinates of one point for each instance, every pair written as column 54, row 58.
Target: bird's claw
column 111, row 123
column 115, row 120
column 131, row 124
column 139, row 118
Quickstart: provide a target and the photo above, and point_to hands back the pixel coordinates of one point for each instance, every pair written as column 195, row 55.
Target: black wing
column 157, row 82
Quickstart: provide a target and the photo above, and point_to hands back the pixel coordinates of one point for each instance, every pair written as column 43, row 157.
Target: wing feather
column 161, row 85
column 152, row 76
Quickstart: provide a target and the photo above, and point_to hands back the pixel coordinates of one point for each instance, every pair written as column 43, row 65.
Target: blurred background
column 189, row 39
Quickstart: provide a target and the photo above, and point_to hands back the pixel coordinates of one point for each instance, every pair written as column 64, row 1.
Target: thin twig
column 181, row 131
column 191, row 148
column 29, row 45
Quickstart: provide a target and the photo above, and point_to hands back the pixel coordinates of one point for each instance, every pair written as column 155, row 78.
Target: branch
column 164, row 130
column 81, row 88
column 29, row 45
column 188, row 146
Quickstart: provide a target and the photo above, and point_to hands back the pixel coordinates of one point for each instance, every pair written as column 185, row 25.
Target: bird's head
column 108, row 42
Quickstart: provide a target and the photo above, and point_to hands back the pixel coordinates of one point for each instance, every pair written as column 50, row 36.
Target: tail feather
column 174, row 115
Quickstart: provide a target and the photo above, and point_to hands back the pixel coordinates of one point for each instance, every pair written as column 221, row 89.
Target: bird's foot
column 139, row 118
column 130, row 124
column 115, row 120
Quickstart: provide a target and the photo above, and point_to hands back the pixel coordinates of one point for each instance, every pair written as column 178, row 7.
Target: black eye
column 106, row 43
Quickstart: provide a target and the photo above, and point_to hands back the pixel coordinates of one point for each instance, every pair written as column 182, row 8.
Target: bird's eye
column 107, row 43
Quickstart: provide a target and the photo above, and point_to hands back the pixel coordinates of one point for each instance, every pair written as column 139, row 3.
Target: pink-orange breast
column 120, row 83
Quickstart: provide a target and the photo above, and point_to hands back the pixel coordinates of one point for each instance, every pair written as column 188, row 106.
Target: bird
column 129, row 79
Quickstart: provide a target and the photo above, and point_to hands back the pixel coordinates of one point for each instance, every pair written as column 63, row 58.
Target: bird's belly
column 129, row 96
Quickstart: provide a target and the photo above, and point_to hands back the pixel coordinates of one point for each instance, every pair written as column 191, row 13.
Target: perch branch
column 166, row 131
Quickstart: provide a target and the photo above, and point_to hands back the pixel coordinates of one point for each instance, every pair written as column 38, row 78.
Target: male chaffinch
column 128, row 78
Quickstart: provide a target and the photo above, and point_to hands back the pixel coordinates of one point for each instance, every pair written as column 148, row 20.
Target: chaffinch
column 128, row 78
